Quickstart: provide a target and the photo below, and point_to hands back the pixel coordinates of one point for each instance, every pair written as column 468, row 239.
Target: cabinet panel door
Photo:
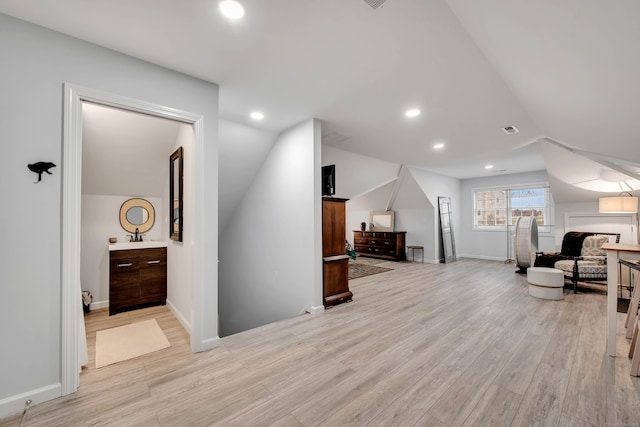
column 124, row 273
column 336, row 277
column 124, row 281
column 153, row 275
column 333, row 227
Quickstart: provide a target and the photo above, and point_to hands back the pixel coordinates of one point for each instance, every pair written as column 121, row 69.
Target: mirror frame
column 448, row 243
column 175, row 212
column 132, row 203
column 390, row 219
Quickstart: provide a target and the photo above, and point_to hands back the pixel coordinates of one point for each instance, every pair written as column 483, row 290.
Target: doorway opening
column 71, row 316
column 125, row 158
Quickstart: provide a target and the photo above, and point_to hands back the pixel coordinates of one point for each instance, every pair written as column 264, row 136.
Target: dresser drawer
column 380, row 244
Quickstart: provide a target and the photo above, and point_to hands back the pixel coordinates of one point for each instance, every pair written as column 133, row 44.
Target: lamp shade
column 618, row 204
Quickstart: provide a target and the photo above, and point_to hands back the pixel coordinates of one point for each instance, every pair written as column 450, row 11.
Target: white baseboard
column 183, row 320
column 316, row 310
column 15, row 404
column 488, row 258
column 210, row 343
column 99, row 304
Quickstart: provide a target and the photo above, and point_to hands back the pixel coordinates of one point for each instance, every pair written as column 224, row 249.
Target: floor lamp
column 622, row 203
column 508, row 223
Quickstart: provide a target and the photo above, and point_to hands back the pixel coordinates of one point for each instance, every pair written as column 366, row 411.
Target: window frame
column 548, row 206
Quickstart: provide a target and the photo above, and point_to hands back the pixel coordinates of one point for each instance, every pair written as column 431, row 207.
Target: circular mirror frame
column 132, row 203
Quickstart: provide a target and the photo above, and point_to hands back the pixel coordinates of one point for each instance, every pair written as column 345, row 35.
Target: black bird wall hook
column 41, row 167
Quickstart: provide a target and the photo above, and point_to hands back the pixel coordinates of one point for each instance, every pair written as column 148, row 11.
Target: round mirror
column 137, row 213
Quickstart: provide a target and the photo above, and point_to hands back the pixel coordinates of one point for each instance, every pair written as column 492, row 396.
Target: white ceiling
column 566, row 69
column 125, row 153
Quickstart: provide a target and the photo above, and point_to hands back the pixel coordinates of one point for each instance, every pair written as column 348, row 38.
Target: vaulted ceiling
column 566, row 70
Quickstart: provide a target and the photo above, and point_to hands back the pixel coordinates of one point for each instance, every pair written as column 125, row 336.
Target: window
column 491, row 207
column 495, row 208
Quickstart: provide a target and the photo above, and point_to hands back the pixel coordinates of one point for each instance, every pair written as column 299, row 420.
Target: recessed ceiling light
column 438, row 146
column 257, row 115
column 488, row 167
column 414, row 112
column 231, row 9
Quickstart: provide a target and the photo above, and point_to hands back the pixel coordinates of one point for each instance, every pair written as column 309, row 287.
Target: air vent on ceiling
column 375, row 3
column 510, row 129
column 334, row 138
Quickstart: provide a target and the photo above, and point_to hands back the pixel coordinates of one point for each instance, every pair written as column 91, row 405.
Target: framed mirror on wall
column 448, row 250
column 175, row 194
column 382, row 221
column 137, row 215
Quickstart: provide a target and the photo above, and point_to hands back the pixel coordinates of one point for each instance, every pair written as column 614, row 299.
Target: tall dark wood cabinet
column 334, row 259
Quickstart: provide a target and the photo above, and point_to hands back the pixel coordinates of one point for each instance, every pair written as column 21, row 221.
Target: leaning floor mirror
column 446, row 230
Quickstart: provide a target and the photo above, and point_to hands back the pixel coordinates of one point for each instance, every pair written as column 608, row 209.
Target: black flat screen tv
column 329, row 180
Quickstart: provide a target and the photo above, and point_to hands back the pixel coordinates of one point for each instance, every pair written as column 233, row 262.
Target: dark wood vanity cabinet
column 137, row 278
column 380, row 244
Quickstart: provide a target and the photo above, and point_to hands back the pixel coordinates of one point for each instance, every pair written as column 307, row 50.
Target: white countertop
column 123, row 246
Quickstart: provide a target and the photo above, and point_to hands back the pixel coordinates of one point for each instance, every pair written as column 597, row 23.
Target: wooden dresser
column 137, row 278
column 335, row 261
column 380, row 244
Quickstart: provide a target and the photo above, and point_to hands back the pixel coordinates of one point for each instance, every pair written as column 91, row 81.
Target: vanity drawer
column 154, row 254
column 124, row 265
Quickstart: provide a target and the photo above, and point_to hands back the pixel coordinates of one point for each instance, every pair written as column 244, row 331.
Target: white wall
column 434, row 185
column 100, row 220
column 493, row 244
column 242, row 151
column 269, row 257
column 180, row 254
column 355, row 173
column 563, row 208
column 585, row 217
column 359, row 208
column 35, row 64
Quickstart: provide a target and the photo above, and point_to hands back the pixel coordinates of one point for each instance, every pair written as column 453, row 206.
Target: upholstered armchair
column 581, row 257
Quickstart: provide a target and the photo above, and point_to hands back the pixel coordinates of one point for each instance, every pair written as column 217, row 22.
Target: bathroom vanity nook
column 137, row 275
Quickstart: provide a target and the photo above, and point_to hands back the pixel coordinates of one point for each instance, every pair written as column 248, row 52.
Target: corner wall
column 357, row 174
column 268, row 266
column 433, row 186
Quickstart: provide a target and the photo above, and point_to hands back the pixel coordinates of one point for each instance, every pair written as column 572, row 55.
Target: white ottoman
column 545, row 283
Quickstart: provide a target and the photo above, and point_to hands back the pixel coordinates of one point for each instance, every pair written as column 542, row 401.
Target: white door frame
column 71, row 219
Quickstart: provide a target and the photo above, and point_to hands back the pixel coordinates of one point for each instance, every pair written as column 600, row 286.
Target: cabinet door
column 334, row 227
column 124, row 282
column 153, row 275
column 336, row 281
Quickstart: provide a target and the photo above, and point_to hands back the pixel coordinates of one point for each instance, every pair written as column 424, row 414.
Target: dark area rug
column 359, row 269
column 369, row 261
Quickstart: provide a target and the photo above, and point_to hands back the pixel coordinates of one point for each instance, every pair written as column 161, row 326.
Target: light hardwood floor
column 460, row 344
